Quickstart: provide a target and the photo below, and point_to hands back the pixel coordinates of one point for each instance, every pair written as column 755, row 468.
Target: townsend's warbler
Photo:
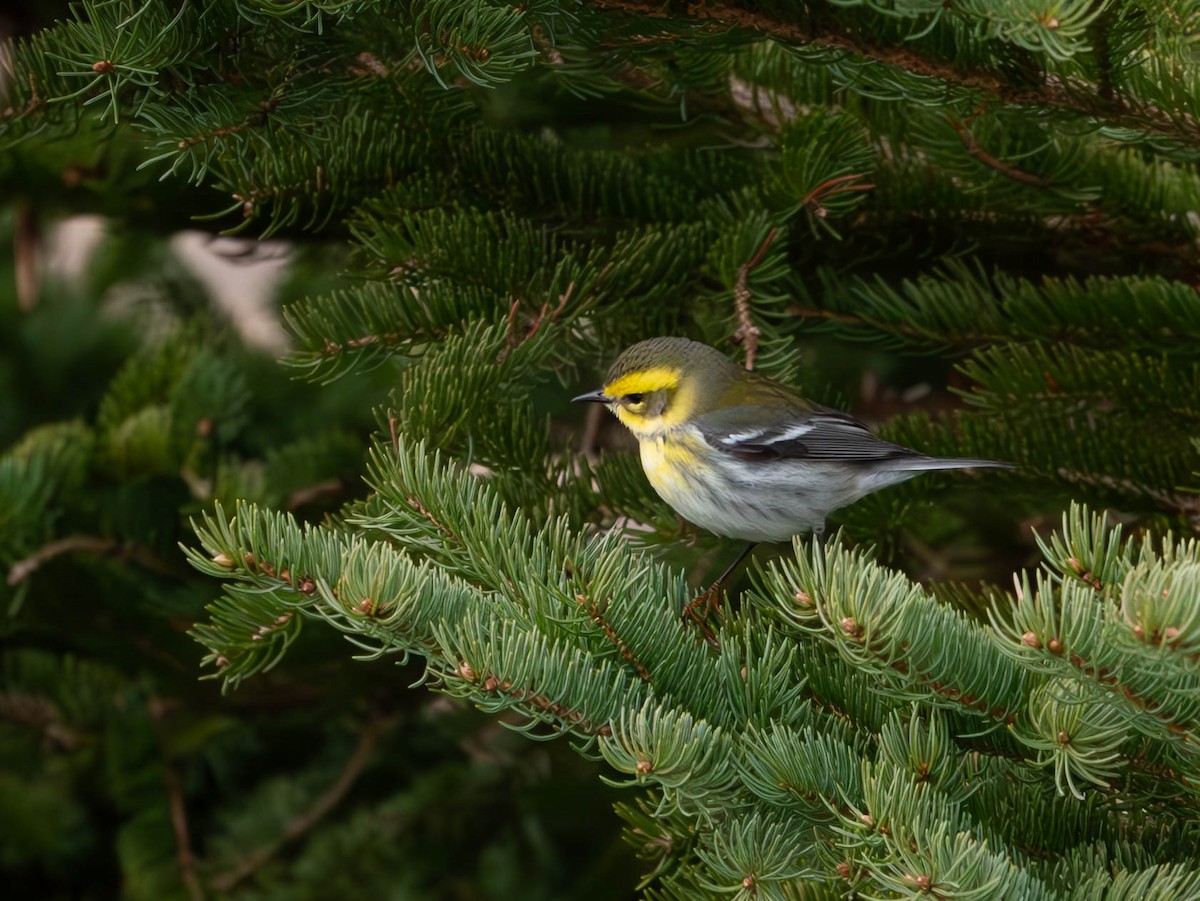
column 741, row 455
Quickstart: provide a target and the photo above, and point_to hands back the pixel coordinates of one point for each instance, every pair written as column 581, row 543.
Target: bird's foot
column 702, row 608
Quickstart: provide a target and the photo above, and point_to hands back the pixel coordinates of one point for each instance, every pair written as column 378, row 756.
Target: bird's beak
column 594, row 397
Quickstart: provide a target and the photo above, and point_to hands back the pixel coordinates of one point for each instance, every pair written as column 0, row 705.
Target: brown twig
column 331, row 347
column 433, row 520
column 34, row 102
column 510, row 323
column 1111, row 681
column 814, row 200
column 545, row 313
column 256, row 119
column 573, row 718
column 311, row 494
column 368, row 739
column 597, row 615
column 27, row 243
column 86, row 544
column 747, row 332
column 41, row 713
column 304, row 584
column 1185, row 504
column 974, row 148
column 183, row 840
column 160, row 709
column 205, row 136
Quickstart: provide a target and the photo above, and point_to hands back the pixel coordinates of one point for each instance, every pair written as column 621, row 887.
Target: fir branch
column 1037, row 373
column 487, row 45
column 1183, row 503
column 961, row 306
column 1073, row 96
column 500, row 664
column 882, row 621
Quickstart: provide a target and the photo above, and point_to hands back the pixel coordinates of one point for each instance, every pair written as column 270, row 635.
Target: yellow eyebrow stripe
column 643, row 381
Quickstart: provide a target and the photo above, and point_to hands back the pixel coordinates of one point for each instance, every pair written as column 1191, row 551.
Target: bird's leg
column 701, row 606
column 734, row 565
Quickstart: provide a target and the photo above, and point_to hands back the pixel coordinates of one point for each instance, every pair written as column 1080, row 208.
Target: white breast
column 756, row 501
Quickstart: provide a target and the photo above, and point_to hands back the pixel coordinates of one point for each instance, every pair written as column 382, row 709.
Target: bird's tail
column 921, row 464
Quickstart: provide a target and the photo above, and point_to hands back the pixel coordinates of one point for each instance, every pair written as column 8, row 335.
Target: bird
column 741, row 455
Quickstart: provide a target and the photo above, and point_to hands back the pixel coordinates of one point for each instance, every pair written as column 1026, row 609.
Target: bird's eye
column 633, row 398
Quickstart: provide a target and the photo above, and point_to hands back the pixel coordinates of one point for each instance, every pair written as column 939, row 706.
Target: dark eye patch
column 633, row 398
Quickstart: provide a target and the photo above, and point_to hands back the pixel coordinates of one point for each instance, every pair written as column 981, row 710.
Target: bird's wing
column 815, row 434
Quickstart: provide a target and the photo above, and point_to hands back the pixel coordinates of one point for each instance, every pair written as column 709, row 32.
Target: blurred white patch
column 70, row 244
column 242, row 275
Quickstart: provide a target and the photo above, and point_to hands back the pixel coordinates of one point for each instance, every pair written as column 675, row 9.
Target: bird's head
column 657, row 384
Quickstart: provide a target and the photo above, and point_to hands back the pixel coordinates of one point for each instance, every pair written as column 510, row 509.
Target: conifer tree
column 998, row 199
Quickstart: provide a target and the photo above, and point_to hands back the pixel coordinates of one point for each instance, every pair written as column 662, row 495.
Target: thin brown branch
column 572, row 718
column 433, row 520
column 330, row 347
column 394, row 434
column 256, row 119
column 86, row 544
column 747, row 333
column 160, row 709
column 814, row 200
column 597, row 614
column 306, row 585
column 312, row 494
column 183, row 840
column 34, row 102
column 40, row 713
column 974, row 148
column 517, row 333
column 1170, row 719
column 368, row 739
column 205, row 137
column 27, row 245
column 76, row 544
column 1187, row 505
column 510, row 324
